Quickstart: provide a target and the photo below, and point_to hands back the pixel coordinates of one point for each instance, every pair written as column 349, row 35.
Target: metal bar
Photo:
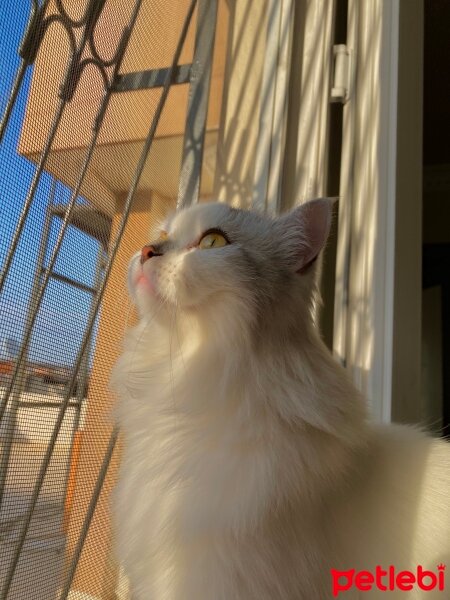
column 34, row 33
column 194, row 138
column 40, row 296
column 27, row 51
column 127, row 208
column 69, row 281
column 30, row 196
column 83, row 379
column 15, row 389
column 89, row 514
column 12, row 98
column 66, row 92
column 70, row 206
column 75, row 68
column 145, row 80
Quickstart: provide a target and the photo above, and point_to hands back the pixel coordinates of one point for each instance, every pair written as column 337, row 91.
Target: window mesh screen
column 90, row 157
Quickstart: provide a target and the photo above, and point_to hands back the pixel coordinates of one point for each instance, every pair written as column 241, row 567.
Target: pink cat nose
column 146, row 253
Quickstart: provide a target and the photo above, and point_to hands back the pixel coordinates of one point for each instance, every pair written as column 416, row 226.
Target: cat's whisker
column 174, row 313
column 179, row 342
column 138, row 341
column 130, row 309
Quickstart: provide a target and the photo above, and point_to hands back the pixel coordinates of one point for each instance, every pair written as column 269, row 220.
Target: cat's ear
column 305, row 231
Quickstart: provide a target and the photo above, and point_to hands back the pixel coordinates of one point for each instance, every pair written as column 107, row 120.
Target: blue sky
column 63, row 316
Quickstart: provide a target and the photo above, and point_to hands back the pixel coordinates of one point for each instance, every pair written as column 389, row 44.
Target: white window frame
column 372, row 312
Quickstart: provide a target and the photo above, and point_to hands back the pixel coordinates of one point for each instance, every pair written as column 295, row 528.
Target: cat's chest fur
column 191, row 520
column 195, row 504
column 219, row 499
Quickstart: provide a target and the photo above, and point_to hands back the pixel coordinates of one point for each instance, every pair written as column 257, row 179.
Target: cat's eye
column 163, row 235
column 213, row 239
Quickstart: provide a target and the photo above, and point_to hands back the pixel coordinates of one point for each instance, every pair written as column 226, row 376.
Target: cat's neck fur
column 252, row 408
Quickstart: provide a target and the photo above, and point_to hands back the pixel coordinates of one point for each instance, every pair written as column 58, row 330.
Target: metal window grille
column 57, row 251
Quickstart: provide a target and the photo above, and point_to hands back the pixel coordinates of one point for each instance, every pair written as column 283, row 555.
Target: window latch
column 340, row 90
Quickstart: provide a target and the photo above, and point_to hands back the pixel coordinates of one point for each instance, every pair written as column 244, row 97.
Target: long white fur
column 250, row 466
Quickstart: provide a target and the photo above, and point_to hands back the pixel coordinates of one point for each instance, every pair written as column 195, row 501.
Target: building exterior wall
column 96, row 573
column 129, row 114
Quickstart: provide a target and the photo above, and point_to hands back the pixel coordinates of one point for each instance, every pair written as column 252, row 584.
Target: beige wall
column 129, row 114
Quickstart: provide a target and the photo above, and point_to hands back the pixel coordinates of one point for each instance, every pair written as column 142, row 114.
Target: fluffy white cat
column 250, row 469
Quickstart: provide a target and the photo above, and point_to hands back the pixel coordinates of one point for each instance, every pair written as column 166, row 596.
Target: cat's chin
column 144, row 291
column 144, row 283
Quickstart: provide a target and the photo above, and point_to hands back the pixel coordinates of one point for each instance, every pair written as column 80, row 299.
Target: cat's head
column 229, row 265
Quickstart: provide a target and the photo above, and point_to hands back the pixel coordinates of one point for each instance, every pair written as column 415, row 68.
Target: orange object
column 77, row 438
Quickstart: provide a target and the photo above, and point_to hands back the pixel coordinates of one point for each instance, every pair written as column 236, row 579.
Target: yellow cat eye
column 212, row 240
column 163, row 235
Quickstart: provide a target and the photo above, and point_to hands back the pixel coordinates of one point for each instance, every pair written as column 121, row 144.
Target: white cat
column 250, row 469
